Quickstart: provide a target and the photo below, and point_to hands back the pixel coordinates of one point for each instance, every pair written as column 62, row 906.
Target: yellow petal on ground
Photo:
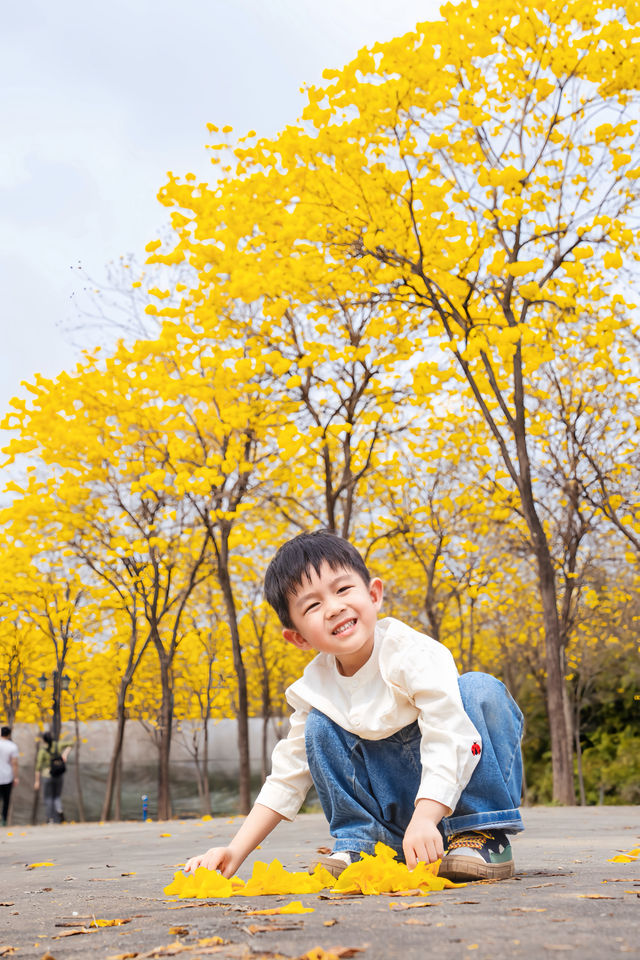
column 621, row 858
column 41, row 863
column 294, row 907
column 317, row 953
column 97, row 922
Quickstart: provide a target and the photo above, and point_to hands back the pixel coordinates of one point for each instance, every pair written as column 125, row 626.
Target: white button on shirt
column 408, row 677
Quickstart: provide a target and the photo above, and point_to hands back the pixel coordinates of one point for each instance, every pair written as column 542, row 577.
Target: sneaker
column 477, row 855
column 337, row 862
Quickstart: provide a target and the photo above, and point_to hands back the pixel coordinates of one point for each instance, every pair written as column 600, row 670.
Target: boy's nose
column 335, row 608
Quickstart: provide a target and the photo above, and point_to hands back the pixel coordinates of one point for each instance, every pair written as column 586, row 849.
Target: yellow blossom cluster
column 372, row 874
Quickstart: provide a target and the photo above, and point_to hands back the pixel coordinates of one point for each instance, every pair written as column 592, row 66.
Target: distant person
column 50, row 769
column 8, row 770
column 399, row 747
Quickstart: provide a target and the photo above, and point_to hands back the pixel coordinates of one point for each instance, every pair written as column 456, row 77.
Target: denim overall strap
column 367, row 788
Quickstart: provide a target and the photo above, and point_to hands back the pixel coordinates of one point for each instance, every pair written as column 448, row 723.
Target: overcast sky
column 100, row 99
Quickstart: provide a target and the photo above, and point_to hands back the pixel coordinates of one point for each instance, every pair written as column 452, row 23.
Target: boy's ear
column 292, row 636
column 376, row 591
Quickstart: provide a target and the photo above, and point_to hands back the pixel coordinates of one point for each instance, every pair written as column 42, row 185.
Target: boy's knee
column 481, row 685
column 485, row 692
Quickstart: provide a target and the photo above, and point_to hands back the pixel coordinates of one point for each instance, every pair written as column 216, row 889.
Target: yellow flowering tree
column 479, row 174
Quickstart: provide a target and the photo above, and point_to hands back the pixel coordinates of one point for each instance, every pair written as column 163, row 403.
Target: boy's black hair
column 295, row 560
column 5, row 732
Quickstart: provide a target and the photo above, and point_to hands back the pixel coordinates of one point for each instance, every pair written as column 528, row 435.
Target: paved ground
column 567, row 898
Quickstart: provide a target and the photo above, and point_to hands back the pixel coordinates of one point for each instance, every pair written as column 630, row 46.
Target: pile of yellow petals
column 267, row 878
column 380, row 873
column 629, row 857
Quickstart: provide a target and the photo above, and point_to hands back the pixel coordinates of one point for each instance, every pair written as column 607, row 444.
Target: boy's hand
column 224, row 859
column 422, row 840
column 258, row 823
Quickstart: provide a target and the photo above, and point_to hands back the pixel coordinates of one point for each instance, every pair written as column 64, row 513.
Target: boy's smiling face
column 336, row 612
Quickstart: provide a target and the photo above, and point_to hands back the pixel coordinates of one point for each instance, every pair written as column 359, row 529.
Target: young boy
column 399, row 747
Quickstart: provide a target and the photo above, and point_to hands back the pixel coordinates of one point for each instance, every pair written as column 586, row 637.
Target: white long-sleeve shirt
column 408, row 677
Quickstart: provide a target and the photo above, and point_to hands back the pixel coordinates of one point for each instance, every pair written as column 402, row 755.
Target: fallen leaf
column 626, row 856
column 41, row 863
column 192, row 906
column 294, row 907
column 408, row 906
column 178, row 931
column 416, row 892
column 597, row 896
column 324, row 850
column 119, row 922
column 6, row 950
column 120, row 956
column 330, row 923
column 74, row 933
column 334, row 953
column 416, row 922
column 10, row 903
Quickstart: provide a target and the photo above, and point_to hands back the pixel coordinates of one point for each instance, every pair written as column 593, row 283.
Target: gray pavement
column 567, row 898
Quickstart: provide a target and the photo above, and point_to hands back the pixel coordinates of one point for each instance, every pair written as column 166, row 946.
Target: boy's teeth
column 344, row 626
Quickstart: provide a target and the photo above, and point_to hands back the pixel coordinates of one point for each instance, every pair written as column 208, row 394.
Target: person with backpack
column 50, row 770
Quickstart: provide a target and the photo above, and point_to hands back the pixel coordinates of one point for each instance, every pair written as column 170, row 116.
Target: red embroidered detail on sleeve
column 476, row 749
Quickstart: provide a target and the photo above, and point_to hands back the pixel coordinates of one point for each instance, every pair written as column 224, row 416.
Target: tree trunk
column 560, row 737
column 206, row 798
column 115, row 755
column 224, row 579
column 117, row 804
column 166, row 724
column 561, row 747
column 576, row 733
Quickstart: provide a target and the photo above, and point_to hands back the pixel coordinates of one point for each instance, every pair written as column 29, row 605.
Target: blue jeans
column 367, row 788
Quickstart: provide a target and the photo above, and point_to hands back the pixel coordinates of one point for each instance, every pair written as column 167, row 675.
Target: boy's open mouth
column 344, row 626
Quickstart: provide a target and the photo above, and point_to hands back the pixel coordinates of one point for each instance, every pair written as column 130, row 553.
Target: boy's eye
column 346, row 587
column 311, row 606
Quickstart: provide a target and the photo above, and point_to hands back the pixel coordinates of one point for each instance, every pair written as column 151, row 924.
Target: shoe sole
column 469, row 868
column 331, row 864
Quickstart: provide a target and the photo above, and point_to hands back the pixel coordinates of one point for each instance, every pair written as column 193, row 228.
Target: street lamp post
column 60, row 683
